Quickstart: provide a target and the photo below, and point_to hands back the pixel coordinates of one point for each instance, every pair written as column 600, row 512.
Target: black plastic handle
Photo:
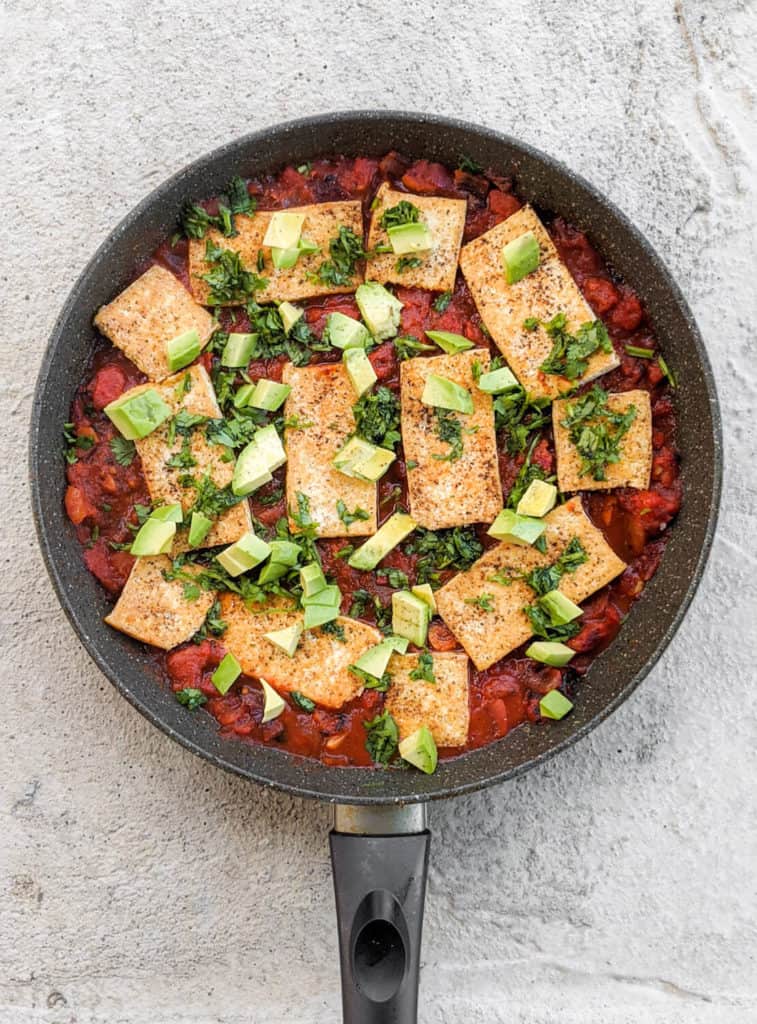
column 380, row 887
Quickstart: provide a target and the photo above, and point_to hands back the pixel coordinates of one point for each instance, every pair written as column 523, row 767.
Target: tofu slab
column 445, row 219
column 503, row 307
column 154, row 610
column 322, row 396
column 149, row 313
column 319, row 667
column 444, row 493
column 163, row 482
column 635, row 466
column 489, row 636
column 441, row 706
column 322, row 223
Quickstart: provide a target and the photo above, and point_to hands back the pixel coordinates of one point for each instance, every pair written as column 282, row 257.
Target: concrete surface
column 616, row 884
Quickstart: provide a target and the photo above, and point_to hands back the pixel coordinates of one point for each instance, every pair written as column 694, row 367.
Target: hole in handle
column 378, row 960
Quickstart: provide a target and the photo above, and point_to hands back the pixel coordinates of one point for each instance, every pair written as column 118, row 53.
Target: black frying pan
column 380, row 845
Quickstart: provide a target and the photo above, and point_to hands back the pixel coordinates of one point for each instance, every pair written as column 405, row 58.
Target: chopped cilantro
column 302, row 702
column 441, row 302
column 406, row 346
column 123, row 450
column 469, row 165
column 377, row 417
column 347, row 517
column 228, row 279
column 542, row 624
column 449, row 429
column 336, row 630
column 527, row 473
column 455, row 548
column 425, row 668
column 75, row 442
column 345, row 251
column 483, row 601
column 546, row 578
column 570, row 352
column 407, row 263
column 191, row 698
column 396, row 578
column 403, row 213
column 596, row 431
column 371, row 682
column 383, row 738
column 518, row 416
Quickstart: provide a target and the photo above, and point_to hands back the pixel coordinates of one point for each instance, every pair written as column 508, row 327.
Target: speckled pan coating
column 548, row 185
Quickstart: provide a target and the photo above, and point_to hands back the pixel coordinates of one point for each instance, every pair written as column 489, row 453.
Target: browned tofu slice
column 446, row 221
column 147, row 315
column 547, row 291
column 635, row 466
column 441, row 706
column 321, row 225
column 164, row 482
column 442, row 492
column 319, row 667
column 321, row 401
column 154, row 610
column 489, row 636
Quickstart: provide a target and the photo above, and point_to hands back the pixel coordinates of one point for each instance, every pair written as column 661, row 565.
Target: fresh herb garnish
column 228, row 280
column 371, row 682
column 527, row 473
column 213, row 625
column 570, row 352
column 336, row 630
column 396, row 578
column 403, row 213
column 195, row 220
column 449, row 429
column 455, row 548
column 383, row 738
column 406, row 346
column 75, row 443
column 483, row 601
column 377, row 417
column 542, row 624
column 424, row 669
column 667, row 372
column 191, row 698
column 441, row 302
column 543, row 579
column 596, row 431
column 518, row 416
column 302, row 702
column 211, row 500
column 123, row 450
column 469, row 165
column 407, row 263
column 639, row 352
column 347, row 517
column 345, row 251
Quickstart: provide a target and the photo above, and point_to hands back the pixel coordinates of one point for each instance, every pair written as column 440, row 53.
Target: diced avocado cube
column 273, row 705
column 388, row 536
column 375, row 467
column 251, row 470
column 345, row 332
column 238, row 350
column 284, row 259
column 515, row 529
column 168, row 513
column 307, row 247
column 227, row 673
column 286, row 552
column 555, row 705
column 379, row 308
column 244, row 554
column 495, row 382
column 397, row 643
column 199, row 528
column 520, row 257
column 410, row 617
column 328, row 595
column 272, row 571
column 446, row 394
column 243, row 395
column 154, row 538
column 539, row 498
column 312, row 579
column 183, row 350
column 407, row 238
column 450, row 342
column 286, row 639
column 284, row 229
column 319, row 615
column 561, row 609
column 269, row 395
column 363, row 460
column 425, row 593
column 289, row 315
column 359, row 370
column 138, row 415
column 550, row 652
column 419, row 749
column 375, row 659
column 268, row 441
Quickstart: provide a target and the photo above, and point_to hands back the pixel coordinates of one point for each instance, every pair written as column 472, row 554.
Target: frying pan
column 379, row 842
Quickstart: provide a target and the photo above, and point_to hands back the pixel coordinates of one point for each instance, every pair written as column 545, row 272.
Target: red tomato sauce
column 102, row 495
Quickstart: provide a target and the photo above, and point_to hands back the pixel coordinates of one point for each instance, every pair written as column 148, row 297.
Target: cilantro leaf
column 596, row 431
column 425, row 668
column 191, row 698
column 383, row 738
column 570, row 352
column 123, row 450
column 228, row 280
column 348, row 518
column 377, row 417
column 404, row 212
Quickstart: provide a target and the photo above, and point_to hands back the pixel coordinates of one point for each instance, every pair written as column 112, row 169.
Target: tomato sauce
column 103, row 496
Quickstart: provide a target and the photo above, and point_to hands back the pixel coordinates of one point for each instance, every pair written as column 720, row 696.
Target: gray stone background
column 616, row 884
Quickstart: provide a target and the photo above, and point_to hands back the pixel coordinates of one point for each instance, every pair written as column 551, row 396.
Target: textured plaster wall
column 615, row 884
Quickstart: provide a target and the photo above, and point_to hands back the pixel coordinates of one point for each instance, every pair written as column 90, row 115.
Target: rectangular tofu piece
column 489, row 636
column 322, row 397
column 164, row 482
column 548, row 290
column 441, row 706
column 635, row 466
column 444, row 493
column 147, row 315
column 321, row 225
column 319, row 668
column 446, row 221
column 154, row 610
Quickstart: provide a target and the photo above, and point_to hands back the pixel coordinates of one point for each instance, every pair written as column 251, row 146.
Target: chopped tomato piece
column 78, row 508
column 427, row 177
column 503, row 204
column 600, row 293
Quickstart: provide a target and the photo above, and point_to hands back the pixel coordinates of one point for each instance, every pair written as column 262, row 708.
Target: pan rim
column 332, row 794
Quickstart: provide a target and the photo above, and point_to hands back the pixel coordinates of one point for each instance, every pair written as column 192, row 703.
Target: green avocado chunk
column 375, row 659
column 496, row 381
column 238, row 350
column 561, row 609
column 359, row 370
column 388, row 536
column 251, row 470
column 244, row 554
column 424, row 592
column 446, row 394
column 268, row 395
column 538, row 499
column 289, row 315
column 268, row 441
column 284, row 229
column 319, row 614
column 555, row 705
column 243, row 395
column 274, row 703
column 199, row 528
column 137, row 416
column 168, row 513
column 155, row 537
column 515, row 529
column 379, row 308
column 226, row 674
column 550, row 652
column 410, row 617
column 362, row 460
column 450, row 342
column 520, row 257
column 407, row 238
column 286, row 639
column 183, row 350
column 312, row 579
column 328, row 595
column 345, row 332
column 419, row 749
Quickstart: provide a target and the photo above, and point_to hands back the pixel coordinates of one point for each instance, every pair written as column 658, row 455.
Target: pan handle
column 379, row 857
